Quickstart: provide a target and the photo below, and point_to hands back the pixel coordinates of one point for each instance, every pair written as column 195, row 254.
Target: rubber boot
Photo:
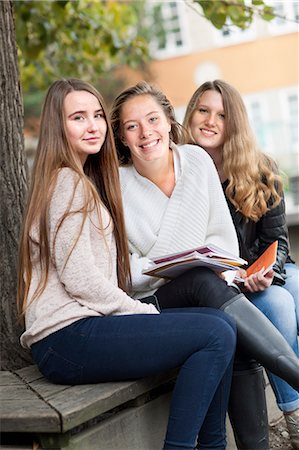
column 247, row 410
column 262, row 341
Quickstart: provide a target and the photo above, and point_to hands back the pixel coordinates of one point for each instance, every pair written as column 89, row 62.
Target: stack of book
column 215, row 258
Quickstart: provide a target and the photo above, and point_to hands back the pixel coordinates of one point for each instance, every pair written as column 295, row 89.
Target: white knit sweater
column 85, row 284
column 195, row 214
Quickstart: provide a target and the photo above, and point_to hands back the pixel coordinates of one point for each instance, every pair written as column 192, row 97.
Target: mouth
column 207, row 132
column 149, row 144
column 91, row 139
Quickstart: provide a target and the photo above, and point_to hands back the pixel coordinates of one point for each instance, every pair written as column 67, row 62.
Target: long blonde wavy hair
column 100, row 180
column 253, row 182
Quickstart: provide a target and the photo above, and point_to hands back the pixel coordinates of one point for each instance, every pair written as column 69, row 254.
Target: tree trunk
column 13, row 189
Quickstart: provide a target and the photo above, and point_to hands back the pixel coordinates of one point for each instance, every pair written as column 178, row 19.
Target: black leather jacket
column 254, row 237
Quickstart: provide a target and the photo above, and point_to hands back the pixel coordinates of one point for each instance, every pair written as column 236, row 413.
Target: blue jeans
column 111, row 348
column 280, row 304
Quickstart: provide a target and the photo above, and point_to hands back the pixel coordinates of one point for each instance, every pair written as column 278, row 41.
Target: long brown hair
column 253, row 182
column 142, row 88
column 99, row 177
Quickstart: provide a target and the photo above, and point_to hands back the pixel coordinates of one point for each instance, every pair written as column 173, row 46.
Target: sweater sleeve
column 272, row 226
column 141, row 282
column 82, row 277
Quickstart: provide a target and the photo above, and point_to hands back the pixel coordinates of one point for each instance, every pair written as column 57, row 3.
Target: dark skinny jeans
column 200, row 341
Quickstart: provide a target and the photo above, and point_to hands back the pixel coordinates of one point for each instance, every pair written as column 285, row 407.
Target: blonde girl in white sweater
column 80, row 324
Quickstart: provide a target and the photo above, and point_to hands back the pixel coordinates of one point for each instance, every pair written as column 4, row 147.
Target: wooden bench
column 106, row 416
column 116, row 416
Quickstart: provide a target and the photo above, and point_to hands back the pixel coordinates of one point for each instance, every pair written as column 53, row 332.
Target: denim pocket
column 58, row 369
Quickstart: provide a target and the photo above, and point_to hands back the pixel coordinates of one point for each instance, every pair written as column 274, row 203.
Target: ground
column 279, row 437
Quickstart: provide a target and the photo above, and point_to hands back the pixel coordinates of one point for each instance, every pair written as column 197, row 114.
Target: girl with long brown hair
column 81, row 325
column 217, row 120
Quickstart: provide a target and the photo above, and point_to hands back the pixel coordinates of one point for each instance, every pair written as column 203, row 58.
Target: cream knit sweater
column 85, row 284
column 195, row 214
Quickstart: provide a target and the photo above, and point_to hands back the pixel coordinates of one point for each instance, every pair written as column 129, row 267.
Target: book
column 265, row 261
column 172, row 265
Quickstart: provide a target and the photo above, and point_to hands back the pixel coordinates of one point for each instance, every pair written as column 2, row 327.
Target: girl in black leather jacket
column 216, row 119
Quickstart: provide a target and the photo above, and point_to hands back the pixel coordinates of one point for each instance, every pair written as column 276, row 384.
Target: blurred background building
column 261, row 62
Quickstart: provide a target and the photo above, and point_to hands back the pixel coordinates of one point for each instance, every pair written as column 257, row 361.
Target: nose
column 211, row 119
column 145, row 131
column 92, row 124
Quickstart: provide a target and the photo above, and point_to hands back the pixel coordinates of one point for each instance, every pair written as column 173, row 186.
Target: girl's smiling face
column 145, row 129
column 207, row 124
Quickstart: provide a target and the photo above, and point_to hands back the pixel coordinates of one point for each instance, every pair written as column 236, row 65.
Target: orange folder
column 266, row 260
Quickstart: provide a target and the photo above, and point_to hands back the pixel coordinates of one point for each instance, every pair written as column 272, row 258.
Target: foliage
column 237, row 12
column 76, row 38
column 88, row 38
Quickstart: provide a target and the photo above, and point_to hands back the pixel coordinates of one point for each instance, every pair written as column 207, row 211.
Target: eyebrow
column 134, row 120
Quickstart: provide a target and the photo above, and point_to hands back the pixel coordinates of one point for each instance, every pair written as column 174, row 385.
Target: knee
column 207, row 287
column 227, row 335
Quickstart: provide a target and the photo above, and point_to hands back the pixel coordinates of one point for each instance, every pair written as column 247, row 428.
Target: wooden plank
column 47, row 389
column 29, row 373
column 55, row 408
column 32, row 415
column 9, row 379
column 22, row 410
column 15, row 393
column 85, row 402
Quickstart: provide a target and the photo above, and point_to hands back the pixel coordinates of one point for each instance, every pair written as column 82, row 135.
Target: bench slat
column 81, row 403
column 21, row 409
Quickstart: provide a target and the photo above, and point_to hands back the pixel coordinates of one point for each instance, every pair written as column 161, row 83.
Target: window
column 231, row 34
column 287, row 19
column 292, row 102
column 258, row 119
column 169, row 31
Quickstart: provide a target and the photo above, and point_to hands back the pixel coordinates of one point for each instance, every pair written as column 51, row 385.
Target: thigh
column 126, row 347
column 197, row 287
column 292, row 281
column 278, row 306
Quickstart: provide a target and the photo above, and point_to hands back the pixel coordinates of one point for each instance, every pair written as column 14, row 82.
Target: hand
column 258, row 281
column 241, row 273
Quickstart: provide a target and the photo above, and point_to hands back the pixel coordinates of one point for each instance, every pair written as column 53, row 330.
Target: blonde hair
column 253, row 183
column 99, row 177
column 142, row 88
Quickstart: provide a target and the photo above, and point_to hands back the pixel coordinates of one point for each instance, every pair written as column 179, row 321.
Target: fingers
column 258, row 281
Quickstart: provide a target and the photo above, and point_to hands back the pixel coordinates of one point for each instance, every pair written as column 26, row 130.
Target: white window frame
column 290, row 121
column 237, row 35
column 281, row 26
column 171, row 50
column 258, row 98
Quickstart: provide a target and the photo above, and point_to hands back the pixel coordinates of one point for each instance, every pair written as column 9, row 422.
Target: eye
column 202, row 110
column 78, row 117
column 153, row 119
column 222, row 116
column 131, row 126
column 100, row 115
